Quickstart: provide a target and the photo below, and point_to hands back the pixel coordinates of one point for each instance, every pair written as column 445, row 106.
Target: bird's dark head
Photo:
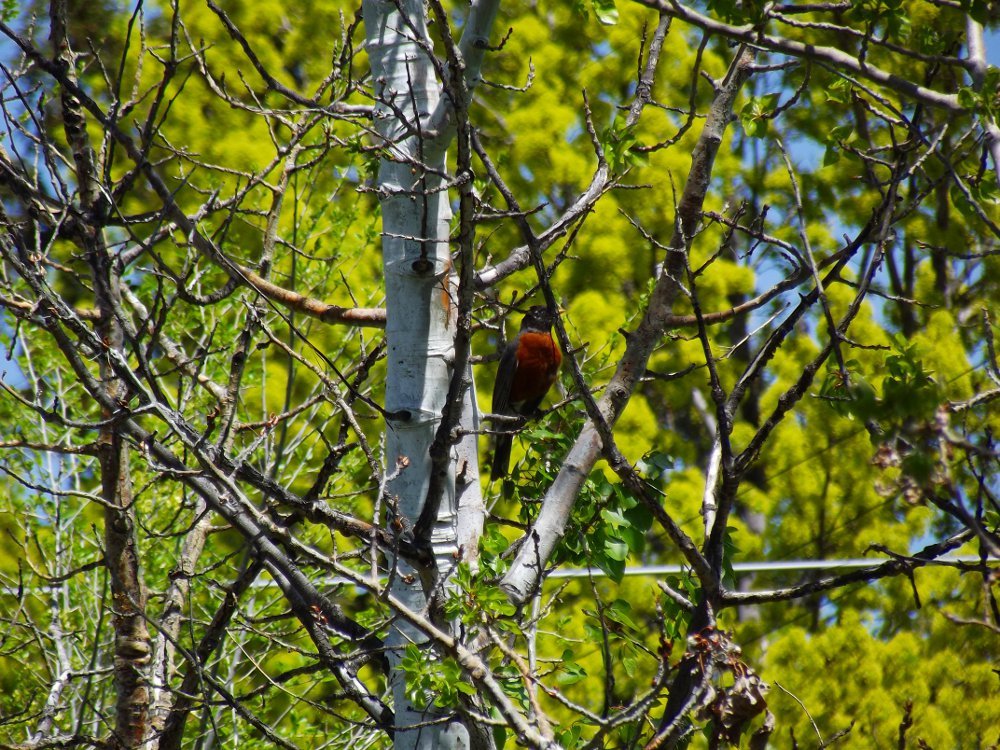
column 538, row 318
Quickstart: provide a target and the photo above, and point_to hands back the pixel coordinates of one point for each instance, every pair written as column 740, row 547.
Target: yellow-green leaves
column 606, row 11
column 757, row 112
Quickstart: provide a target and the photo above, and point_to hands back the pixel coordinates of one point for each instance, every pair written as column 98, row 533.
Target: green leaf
column 499, row 732
column 620, row 611
column 630, row 664
column 756, row 114
column 615, row 569
column 614, row 518
column 656, row 463
column 493, row 541
column 962, row 203
column 729, row 550
column 8, row 10
column 639, row 518
column 616, row 549
column 991, row 83
column 839, row 91
column 737, row 13
column 967, row 97
column 769, row 102
column 618, row 143
column 753, row 126
column 607, row 11
column 592, row 631
column 634, row 538
column 570, row 736
column 992, row 518
column 570, row 673
column 986, row 191
column 752, row 120
column 979, row 10
column 839, row 133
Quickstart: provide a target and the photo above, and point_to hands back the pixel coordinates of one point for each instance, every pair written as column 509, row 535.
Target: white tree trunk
column 420, row 323
column 416, row 122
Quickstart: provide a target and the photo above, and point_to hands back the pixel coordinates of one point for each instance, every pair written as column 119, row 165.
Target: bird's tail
column 501, row 456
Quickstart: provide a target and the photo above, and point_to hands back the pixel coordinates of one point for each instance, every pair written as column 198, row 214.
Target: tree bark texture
column 419, row 314
column 131, row 647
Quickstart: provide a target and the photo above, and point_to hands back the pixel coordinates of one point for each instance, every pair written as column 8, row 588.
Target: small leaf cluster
column 474, row 599
column 891, row 17
column 757, row 113
column 437, row 681
column 608, row 527
column 908, row 390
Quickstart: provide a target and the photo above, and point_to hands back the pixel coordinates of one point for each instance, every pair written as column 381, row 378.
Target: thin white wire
column 762, row 566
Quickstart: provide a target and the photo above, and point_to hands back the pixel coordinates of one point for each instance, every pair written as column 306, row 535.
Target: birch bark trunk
column 412, row 117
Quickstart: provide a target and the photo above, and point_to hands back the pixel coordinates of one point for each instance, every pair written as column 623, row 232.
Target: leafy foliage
column 841, row 276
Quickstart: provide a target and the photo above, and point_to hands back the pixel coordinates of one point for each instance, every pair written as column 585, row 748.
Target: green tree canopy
column 760, row 505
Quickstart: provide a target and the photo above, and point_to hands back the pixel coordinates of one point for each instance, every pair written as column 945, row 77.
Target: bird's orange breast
column 538, row 360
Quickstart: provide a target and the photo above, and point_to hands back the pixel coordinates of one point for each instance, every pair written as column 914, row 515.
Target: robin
column 528, row 367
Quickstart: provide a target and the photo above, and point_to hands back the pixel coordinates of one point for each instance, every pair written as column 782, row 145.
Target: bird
column 528, row 368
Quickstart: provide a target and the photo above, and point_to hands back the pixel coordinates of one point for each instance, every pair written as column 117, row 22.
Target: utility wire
column 760, row 566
